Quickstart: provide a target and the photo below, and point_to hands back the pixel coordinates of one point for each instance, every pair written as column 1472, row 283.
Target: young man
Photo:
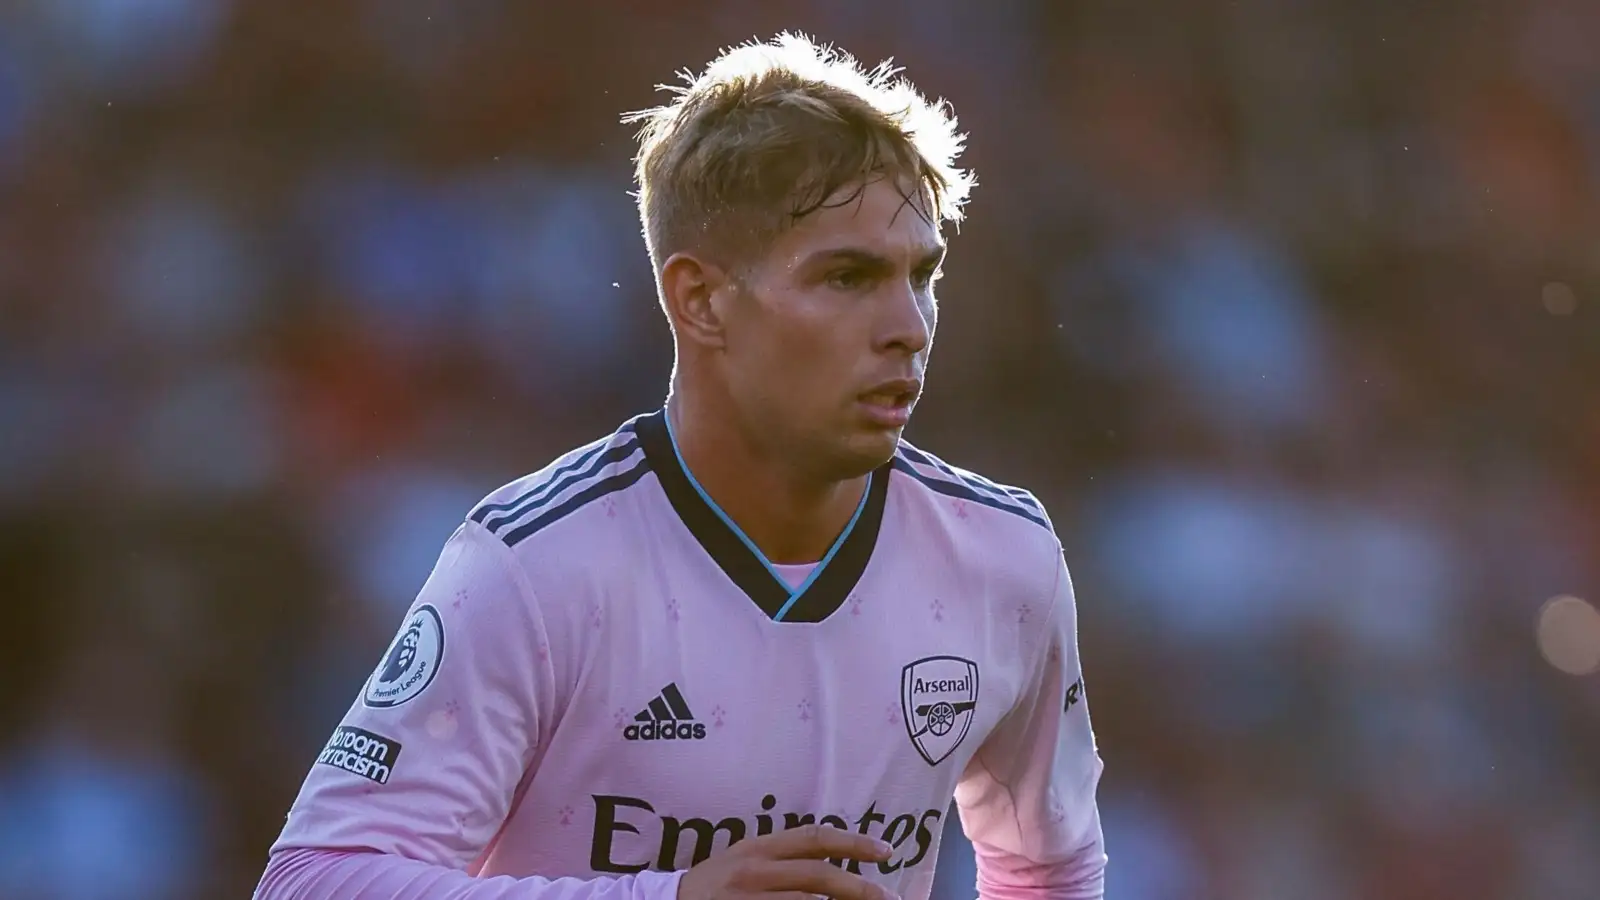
column 754, row 632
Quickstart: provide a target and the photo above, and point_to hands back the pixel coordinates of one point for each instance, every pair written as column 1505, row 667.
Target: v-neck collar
column 830, row 582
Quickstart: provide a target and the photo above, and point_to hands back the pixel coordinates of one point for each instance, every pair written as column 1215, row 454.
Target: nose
column 908, row 321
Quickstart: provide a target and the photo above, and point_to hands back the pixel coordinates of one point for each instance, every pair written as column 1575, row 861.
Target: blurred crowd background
column 1290, row 311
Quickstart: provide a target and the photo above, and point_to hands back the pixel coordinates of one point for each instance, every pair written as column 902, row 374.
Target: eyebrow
column 930, row 257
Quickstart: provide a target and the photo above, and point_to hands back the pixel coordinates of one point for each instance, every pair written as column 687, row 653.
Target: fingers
column 818, row 842
column 811, row 876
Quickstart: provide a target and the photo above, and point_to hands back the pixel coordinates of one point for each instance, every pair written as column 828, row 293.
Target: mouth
column 889, row 404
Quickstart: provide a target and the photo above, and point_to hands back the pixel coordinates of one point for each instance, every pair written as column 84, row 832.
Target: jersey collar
column 831, row 581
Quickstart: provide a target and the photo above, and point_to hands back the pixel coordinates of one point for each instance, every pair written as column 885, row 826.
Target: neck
column 791, row 517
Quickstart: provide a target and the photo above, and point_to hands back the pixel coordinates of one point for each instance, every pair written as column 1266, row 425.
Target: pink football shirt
column 603, row 682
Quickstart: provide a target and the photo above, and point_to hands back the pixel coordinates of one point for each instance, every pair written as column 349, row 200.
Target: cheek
column 801, row 336
column 772, row 356
column 796, row 346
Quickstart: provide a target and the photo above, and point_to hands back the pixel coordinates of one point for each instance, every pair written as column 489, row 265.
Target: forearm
column 1004, row 877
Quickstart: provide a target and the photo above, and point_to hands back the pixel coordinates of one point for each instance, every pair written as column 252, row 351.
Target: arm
column 320, row 874
column 420, row 775
column 1027, row 799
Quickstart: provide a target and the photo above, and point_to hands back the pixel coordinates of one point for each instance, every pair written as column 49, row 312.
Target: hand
column 789, row 865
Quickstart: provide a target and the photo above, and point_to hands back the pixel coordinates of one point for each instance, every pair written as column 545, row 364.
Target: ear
column 690, row 289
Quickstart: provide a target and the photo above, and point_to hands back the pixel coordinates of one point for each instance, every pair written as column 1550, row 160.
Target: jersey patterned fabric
column 603, row 682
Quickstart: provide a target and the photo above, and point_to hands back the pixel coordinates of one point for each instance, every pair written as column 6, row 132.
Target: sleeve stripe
column 560, row 481
column 964, row 491
column 970, row 479
column 611, row 484
column 542, row 486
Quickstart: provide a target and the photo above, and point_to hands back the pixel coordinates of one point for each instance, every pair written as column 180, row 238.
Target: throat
column 788, row 519
column 795, row 550
column 788, row 527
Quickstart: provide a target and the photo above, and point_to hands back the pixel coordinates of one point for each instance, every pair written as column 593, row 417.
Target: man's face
column 828, row 341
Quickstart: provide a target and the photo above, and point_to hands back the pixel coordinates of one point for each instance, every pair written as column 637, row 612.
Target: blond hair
column 770, row 132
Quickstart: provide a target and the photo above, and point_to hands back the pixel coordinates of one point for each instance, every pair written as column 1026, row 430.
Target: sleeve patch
column 410, row 664
column 360, row 752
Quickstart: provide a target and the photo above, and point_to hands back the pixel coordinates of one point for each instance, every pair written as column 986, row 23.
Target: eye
column 926, row 276
column 848, row 280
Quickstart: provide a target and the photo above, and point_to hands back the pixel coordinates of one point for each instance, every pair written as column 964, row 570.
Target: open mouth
column 890, row 399
column 889, row 404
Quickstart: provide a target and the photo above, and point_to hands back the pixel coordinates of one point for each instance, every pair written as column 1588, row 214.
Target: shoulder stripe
column 556, row 484
column 609, row 485
column 482, row 512
column 963, row 490
column 970, row 479
column 543, row 484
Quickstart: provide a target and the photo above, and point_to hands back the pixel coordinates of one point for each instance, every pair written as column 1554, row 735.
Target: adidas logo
column 667, row 718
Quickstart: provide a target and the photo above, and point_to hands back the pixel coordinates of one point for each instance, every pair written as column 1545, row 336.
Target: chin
column 866, row 451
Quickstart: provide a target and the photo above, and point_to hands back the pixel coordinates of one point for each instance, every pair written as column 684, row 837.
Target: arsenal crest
column 938, row 695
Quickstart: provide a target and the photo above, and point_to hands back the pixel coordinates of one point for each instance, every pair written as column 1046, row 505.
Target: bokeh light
column 1559, row 299
column 1569, row 635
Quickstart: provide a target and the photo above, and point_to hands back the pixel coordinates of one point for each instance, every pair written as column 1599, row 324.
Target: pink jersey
column 603, row 682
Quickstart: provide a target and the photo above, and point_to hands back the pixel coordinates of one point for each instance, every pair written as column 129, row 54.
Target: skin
column 773, row 356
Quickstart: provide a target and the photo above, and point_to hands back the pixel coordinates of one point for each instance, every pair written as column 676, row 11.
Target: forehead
column 884, row 216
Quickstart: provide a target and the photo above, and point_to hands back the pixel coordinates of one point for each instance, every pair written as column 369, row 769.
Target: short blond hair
column 770, row 132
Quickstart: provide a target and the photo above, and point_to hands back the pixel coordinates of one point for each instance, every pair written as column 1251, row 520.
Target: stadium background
column 1290, row 311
